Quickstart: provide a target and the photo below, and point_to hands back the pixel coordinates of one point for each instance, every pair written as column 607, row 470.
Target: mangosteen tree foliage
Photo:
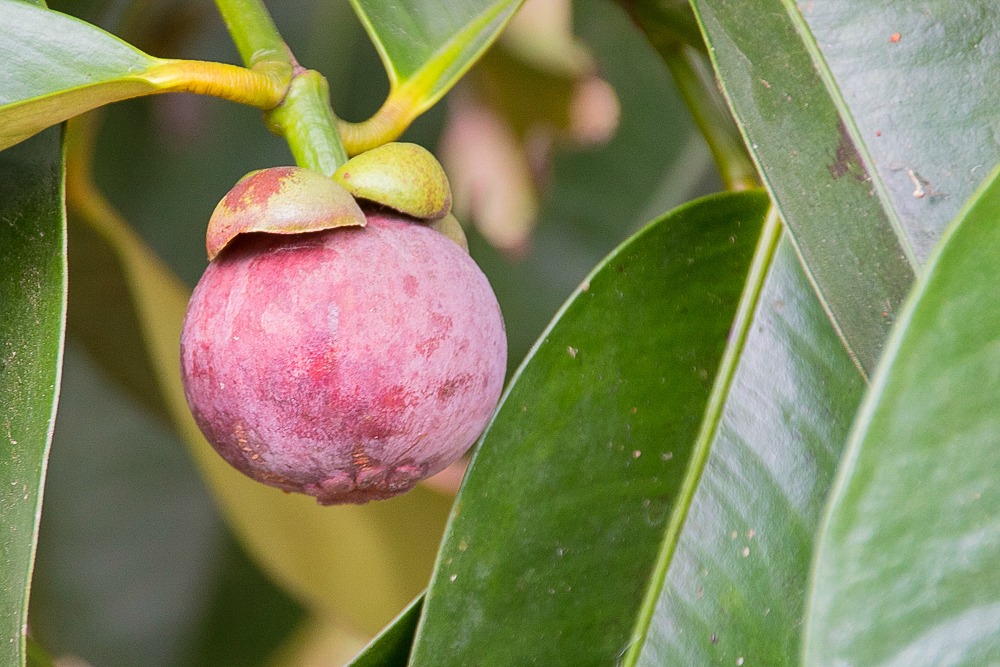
column 762, row 430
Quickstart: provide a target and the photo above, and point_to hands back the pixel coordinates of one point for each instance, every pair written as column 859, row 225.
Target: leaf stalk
column 672, row 30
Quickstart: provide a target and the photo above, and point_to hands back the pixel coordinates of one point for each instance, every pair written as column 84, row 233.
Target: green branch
column 307, row 123
column 256, row 37
column 304, row 118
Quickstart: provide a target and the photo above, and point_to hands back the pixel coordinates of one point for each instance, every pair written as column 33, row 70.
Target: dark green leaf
column 33, row 298
column 806, row 145
column 666, row 21
column 248, row 618
column 735, row 586
column 557, row 529
column 392, row 647
column 920, row 85
column 128, row 525
column 906, row 570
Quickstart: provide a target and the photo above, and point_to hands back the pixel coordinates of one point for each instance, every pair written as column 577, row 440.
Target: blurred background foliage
column 135, row 564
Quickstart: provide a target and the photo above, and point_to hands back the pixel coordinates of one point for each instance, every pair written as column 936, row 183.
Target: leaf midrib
column 742, row 323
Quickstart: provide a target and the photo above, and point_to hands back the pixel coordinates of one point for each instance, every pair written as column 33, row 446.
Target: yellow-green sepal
column 404, row 177
column 452, row 228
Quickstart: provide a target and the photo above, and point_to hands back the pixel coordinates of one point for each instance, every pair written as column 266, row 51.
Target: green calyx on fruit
column 281, row 200
column 403, row 177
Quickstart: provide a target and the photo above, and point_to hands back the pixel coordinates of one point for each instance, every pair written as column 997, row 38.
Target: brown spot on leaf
column 847, row 160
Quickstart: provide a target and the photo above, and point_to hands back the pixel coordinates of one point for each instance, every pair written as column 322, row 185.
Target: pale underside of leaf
column 426, row 49
column 905, row 570
column 21, row 120
column 57, row 66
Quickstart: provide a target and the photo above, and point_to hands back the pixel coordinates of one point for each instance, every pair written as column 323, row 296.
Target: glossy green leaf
column 33, row 296
column 57, row 66
column 735, row 585
column 905, row 572
column 426, row 46
column 808, row 150
column 558, row 525
column 363, row 563
column 391, row 648
column 920, row 86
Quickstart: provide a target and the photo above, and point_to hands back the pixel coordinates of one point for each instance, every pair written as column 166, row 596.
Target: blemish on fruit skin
column 442, row 327
column 371, row 476
column 256, row 191
column 443, row 323
column 428, row 346
column 453, row 386
column 410, row 284
column 395, row 398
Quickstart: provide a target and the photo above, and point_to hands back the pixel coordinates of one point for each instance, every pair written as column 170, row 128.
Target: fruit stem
column 308, row 124
column 304, row 117
column 686, row 57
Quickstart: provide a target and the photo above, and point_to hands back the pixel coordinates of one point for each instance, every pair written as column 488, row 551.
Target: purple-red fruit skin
column 346, row 364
